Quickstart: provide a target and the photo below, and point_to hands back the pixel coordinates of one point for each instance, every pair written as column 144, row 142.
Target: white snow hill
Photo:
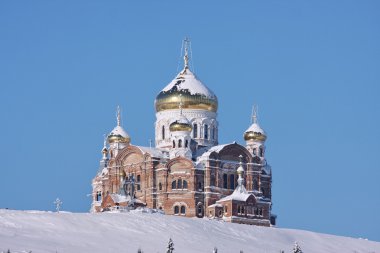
column 40, row 232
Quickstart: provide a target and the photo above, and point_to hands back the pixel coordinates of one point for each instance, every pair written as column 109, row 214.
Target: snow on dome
column 195, row 94
column 255, row 132
column 118, row 134
column 186, row 80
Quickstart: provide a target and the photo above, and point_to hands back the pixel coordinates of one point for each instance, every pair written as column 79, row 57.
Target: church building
column 187, row 172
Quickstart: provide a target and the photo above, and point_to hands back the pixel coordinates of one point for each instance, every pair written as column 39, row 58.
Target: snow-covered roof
column 217, row 149
column 117, row 198
column 186, row 80
column 239, row 194
column 255, row 127
column 215, row 205
column 118, row 130
column 180, row 119
column 154, row 152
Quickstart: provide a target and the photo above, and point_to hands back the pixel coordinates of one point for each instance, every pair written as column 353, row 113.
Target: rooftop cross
column 118, row 117
column 254, row 114
column 58, row 203
column 186, row 43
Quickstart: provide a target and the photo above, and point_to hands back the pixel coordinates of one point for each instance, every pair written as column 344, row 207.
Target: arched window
column 255, row 184
column 138, row 182
column 176, row 210
column 163, row 132
column 232, row 181
column 206, row 132
column 174, row 185
column 263, row 191
column 261, row 152
column 180, row 143
column 213, row 133
column 184, row 184
column 173, row 144
column 183, row 210
column 98, row 196
column 200, row 210
column 195, row 130
column 225, row 183
column 186, row 143
column 179, row 184
column 255, row 151
column 160, row 186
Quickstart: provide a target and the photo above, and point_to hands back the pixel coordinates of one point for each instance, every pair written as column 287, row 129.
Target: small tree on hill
column 170, row 247
column 297, row 248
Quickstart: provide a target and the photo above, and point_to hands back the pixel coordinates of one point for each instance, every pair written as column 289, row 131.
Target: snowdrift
column 37, row 231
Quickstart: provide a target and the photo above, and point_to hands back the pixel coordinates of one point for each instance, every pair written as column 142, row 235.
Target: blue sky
column 311, row 66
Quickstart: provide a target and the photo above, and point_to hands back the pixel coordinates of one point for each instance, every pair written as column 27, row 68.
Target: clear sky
column 311, row 66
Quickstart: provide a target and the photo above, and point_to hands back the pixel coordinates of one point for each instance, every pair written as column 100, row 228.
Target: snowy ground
column 22, row 231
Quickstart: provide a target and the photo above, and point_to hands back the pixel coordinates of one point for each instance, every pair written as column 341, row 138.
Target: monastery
column 187, row 172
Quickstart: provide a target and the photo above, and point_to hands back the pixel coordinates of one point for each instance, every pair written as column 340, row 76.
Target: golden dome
column 255, row 136
column 195, row 95
column 118, row 135
column 178, row 126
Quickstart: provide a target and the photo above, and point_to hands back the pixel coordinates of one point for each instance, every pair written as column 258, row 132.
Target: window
column 138, row 182
column 200, row 210
column 220, row 213
column 255, row 184
column 180, row 143
column 98, row 196
column 225, row 183
column 200, row 186
column 160, row 186
column 186, row 143
column 176, row 210
column 174, row 185
column 179, row 184
column 225, row 209
column 184, row 184
column 163, row 132
column 239, row 209
column 261, row 152
column 213, row 133
column 195, row 130
column 232, row 181
column 263, row 191
column 173, row 144
column 206, row 132
column 242, row 210
column 183, row 210
column 255, row 151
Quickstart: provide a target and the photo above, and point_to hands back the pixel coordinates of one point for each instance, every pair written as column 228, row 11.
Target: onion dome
column 255, row 132
column 181, row 124
column 118, row 134
column 194, row 93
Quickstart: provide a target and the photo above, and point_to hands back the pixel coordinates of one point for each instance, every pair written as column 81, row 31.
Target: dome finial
column 240, row 171
column 254, row 114
column 118, row 117
column 186, row 43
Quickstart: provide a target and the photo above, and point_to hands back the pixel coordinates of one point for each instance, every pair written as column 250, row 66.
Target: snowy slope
column 38, row 231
